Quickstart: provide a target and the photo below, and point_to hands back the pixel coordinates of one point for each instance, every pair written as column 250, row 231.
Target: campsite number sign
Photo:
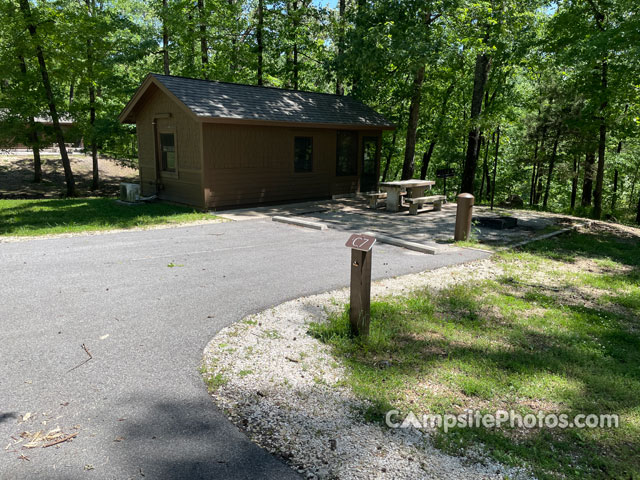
column 360, row 306
column 361, row 242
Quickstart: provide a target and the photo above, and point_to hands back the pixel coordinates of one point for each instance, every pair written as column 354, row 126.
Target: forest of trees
column 520, row 97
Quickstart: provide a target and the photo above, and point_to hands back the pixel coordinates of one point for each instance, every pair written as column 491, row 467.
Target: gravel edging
column 285, row 390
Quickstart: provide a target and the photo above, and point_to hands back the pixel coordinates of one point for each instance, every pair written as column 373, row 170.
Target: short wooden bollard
column 360, row 306
column 464, row 213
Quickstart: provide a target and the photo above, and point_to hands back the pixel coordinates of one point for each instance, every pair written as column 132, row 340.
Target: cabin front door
column 369, row 171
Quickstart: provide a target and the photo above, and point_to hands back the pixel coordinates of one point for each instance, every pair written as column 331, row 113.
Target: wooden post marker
column 464, row 213
column 360, row 306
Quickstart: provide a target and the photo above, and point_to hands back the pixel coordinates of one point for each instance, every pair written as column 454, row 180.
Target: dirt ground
column 16, row 176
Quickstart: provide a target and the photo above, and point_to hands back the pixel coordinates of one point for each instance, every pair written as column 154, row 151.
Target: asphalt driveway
column 145, row 304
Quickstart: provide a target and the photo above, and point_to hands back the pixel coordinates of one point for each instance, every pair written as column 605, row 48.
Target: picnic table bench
column 417, row 203
column 375, row 197
column 414, row 189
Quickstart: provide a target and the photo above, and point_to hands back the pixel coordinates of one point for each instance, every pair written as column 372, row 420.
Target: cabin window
column 168, row 151
column 347, row 153
column 303, row 154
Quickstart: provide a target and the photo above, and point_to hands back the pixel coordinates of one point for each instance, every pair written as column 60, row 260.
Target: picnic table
column 414, row 189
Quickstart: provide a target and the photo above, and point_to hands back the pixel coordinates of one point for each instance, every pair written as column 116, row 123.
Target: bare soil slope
column 16, row 176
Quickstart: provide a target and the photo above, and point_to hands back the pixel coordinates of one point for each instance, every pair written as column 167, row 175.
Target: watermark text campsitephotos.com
column 498, row 419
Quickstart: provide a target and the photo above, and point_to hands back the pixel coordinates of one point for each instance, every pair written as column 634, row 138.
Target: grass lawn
column 558, row 331
column 46, row 217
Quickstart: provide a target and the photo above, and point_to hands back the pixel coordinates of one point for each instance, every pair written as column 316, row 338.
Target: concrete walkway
column 429, row 227
column 145, row 304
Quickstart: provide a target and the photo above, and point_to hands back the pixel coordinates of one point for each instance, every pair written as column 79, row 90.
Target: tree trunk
column 574, row 181
column 602, row 145
column 537, row 182
column 339, row 85
column 94, row 147
column 259, row 33
column 426, row 159
column 68, row 175
column 614, row 197
column 33, row 134
column 165, row 39
column 71, row 92
column 35, row 146
column 92, row 104
column 552, row 163
column 412, row 125
column 638, row 214
column 204, row 47
column 481, row 191
column 295, row 46
column 536, row 200
column 234, row 48
column 495, row 166
column 483, row 63
column 587, row 183
column 532, row 189
column 390, row 154
column 485, row 172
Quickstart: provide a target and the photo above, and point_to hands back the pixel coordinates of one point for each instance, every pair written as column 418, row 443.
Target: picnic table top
column 408, row 183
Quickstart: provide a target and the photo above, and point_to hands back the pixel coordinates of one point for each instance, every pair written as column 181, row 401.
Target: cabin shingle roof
column 220, row 100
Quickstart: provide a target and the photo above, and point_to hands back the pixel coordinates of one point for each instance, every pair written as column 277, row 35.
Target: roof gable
column 238, row 103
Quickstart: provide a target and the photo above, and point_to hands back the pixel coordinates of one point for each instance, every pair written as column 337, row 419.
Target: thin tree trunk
column 587, row 183
column 495, row 166
column 532, row 189
column 552, row 163
column 389, row 155
column 35, row 146
column 483, row 64
column 412, row 125
column 68, row 174
column 94, row 147
column 192, row 47
column 537, row 183
column 259, row 33
column 638, row 214
column 602, row 145
column 614, row 198
column 361, row 5
column 71, row 92
column 485, row 172
column 92, row 104
column 539, row 189
column 615, row 190
column 295, row 46
column 165, row 39
column 426, row 159
column 574, row 181
column 484, row 169
column 33, row 133
column 339, row 85
column 234, row 48
column 204, row 47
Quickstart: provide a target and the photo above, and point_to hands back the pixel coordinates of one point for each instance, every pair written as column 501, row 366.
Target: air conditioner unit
column 129, row 192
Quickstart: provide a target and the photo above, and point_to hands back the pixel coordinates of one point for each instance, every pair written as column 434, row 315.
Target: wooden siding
column 185, row 185
column 254, row 164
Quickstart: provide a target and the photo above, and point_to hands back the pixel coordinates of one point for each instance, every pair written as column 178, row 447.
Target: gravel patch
column 286, row 391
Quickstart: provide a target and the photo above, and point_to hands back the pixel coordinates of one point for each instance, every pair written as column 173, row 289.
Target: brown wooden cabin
column 215, row 144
